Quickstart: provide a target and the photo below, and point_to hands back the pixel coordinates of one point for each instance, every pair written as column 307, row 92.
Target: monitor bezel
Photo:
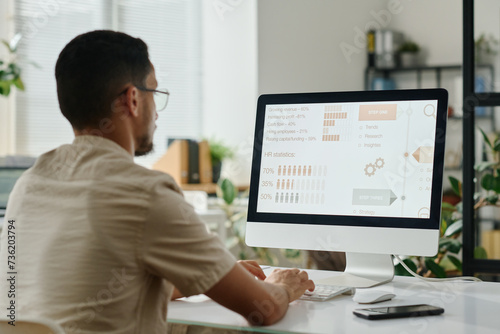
column 431, row 223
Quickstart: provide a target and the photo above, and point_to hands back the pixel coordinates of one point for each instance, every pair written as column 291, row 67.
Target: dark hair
column 92, row 68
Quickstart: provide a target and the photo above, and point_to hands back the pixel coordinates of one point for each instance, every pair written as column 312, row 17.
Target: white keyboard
column 324, row 292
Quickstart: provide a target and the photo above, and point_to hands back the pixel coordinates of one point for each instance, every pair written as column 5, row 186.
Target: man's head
column 97, row 68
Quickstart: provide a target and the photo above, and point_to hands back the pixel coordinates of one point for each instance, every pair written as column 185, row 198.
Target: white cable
column 431, row 279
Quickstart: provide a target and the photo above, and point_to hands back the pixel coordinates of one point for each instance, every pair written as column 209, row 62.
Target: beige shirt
column 101, row 241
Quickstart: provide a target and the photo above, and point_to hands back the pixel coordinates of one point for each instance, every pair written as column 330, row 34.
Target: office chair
column 32, row 326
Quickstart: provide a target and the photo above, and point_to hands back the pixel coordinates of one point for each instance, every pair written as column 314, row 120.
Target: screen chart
column 349, row 159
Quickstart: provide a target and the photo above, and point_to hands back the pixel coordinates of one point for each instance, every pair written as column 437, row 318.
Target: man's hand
column 294, row 281
column 254, row 268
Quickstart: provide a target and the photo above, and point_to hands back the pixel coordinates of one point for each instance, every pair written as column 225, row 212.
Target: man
column 101, row 241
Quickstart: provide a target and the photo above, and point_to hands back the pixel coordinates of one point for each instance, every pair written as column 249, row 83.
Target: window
column 171, row 28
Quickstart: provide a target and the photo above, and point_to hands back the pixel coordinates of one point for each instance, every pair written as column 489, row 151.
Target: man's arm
column 260, row 302
column 251, row 266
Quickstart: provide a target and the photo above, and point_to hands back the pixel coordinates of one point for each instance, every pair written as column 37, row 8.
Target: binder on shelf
column 205, row 162
column 490, row 240
column 370, row 38
column 194, row 162
column 175, row 161
column 187, row 161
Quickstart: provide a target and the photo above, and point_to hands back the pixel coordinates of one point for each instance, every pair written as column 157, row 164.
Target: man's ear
column 126, row 104
column 132, row 100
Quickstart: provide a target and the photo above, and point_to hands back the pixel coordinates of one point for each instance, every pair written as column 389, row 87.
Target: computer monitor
column 8, row 178
column 359, row 172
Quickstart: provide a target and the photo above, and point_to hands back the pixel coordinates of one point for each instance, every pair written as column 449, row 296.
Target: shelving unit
column 373, row 72
column 386, row 72
column 370, row 72
column 471, row 265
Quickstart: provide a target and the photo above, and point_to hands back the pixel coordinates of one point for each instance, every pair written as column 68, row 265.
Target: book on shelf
column 187, row 161
column 490, row 240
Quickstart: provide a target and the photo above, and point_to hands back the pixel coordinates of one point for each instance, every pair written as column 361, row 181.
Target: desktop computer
column 359, row 172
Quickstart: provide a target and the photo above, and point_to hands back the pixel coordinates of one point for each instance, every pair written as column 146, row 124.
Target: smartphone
column 388, row 312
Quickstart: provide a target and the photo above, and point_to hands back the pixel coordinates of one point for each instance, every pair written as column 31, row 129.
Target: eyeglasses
column 160, row 96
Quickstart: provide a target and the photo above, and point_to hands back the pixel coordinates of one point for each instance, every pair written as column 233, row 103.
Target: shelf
column 460, row 118
column 209, row 188
column 418, row 70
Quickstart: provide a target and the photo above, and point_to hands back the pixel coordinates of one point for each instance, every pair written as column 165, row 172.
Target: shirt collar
column 101, row 142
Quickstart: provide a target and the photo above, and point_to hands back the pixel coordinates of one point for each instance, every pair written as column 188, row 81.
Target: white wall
column 436, row 26
column 304, row 46
column 300, row 43
column 230, row 79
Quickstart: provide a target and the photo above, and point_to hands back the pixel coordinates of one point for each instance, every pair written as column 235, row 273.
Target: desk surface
column 469, row 308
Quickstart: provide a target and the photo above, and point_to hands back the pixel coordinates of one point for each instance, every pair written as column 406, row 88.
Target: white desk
column 469, row 308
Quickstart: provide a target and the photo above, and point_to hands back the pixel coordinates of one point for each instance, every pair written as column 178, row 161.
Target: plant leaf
column 228, row 191
column 18, row 83
column 444, row 225
column 456, row 185
column 4, row 42
column 14, row 42
column 480, row 253
column 36, row 65
column 291, row 253
column 488, row 182
column 454, row 228
column 486, row 139
column 435, row 268
column 450, row 245
column 456, row 262
column 448, row 207
column 5, row 88
column 401, row 271
column 484, row 165
column 492, row 199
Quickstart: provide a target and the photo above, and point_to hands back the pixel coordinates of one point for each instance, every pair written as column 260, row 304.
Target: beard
column 145, row 146
column 145, row 142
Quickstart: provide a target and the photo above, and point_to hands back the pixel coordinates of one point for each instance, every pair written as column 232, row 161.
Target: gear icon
column 379, row 163
column 370, row 169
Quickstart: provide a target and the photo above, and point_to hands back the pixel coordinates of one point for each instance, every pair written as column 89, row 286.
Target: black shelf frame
column 386, row 72
column 438, row 69
column 472, row 266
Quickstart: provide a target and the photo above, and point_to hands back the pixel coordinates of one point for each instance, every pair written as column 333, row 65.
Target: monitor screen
column 8, row 178
column 351, row 159
column 370, row 162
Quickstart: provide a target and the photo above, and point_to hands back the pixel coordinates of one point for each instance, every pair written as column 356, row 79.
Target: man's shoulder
column 152, row 177
column 104, row 165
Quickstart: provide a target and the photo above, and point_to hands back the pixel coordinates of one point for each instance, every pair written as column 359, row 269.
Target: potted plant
column 485, row 47
column 446, row 262
column 409, row 54
column 10, row 72
column 236, row 223
column 218, row 152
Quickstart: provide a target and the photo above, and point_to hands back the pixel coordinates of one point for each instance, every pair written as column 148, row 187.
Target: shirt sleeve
column 177, row 245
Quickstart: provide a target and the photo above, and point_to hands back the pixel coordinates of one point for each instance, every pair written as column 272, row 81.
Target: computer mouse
column 372, row 296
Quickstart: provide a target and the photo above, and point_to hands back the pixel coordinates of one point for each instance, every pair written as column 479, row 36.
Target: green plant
column 489, row 173
column 446, row 260
column 10, row 72
column 452, row 223
column 236, row 224
column 409, row 46
column 219, row 151
column 485, row 45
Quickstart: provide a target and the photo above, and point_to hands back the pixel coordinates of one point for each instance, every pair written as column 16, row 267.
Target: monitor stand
column 363, row 271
